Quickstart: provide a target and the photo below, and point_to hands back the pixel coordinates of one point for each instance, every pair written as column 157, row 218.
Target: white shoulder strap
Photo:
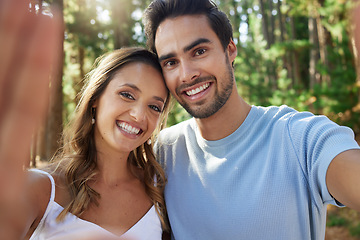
column 52, row 195
column 51, row 201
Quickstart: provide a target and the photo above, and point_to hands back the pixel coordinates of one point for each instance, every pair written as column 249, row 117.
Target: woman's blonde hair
column 76, row 160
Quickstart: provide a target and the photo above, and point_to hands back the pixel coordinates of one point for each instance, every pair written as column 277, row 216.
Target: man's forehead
column 179, row 32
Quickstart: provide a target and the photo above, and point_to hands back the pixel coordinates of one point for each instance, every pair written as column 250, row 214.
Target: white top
column 73, row 227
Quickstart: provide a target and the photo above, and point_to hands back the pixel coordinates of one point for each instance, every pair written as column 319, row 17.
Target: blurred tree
column 122, row 22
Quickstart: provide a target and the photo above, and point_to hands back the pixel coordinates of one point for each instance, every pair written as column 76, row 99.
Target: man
column 237, row 171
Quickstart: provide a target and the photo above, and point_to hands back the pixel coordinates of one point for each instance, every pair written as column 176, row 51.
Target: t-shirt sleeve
column 317, row 141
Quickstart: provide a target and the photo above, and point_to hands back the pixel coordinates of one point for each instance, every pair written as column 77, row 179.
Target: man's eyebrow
column 186, row 48
column 195, row 43
column 167, row 56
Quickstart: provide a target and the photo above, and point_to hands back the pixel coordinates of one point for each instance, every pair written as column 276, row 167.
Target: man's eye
column 127, row 95
column 169, row 63
column 200, row 52
column 155, row 108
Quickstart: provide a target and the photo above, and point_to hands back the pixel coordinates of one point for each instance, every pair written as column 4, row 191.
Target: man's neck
column 226, row 120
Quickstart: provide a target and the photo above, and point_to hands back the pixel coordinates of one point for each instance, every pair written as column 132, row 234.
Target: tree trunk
column 272, row 23
column 356, row 46
column 245, row 7
column 41, row 143
column 81, row 66
column 314, row 77
column 54, row 124
column 295, row 56
column 237, row 21
column 281, row 22
column 322, row 35
column 121, row 17
column 265, row 24
column 287, row 58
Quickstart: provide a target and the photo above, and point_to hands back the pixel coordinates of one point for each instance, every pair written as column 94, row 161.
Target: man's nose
column 188, row 71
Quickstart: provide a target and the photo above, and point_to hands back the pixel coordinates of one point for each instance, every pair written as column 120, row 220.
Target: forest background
column 294, row 52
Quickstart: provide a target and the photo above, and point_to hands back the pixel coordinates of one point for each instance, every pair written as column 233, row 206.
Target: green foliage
column 265, row 76
column 344, row 217
column 355, row 230
column 335, row 220
column 177, row 114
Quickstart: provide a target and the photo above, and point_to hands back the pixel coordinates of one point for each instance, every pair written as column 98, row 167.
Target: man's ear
column 232, row 50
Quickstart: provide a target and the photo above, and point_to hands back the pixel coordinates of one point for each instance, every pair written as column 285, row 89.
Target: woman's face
column 129, row 109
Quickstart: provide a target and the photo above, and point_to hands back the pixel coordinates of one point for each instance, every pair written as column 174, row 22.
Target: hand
column 29, row 50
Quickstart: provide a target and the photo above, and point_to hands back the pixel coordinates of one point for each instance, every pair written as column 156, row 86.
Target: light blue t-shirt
column 264, row 181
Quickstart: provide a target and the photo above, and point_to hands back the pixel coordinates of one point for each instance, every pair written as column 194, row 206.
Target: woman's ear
column 94, row 105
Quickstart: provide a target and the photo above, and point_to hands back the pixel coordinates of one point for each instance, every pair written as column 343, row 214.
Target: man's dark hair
column 159, row 10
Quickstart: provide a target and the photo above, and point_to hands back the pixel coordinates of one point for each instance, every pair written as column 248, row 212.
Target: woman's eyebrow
column 133, row 86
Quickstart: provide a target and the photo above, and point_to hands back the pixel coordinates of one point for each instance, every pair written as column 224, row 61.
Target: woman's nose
column 138, row 113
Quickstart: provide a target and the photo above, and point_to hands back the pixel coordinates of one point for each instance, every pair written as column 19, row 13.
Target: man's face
column 196, row 68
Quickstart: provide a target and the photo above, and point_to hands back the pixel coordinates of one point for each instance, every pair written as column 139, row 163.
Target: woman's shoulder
column 38, row 194
column 41, row 186
column 40, row 183
column 48, row 183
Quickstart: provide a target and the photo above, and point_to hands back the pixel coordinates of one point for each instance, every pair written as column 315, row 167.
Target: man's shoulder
column 296, row 122
column 273, row 115
column 272, row 111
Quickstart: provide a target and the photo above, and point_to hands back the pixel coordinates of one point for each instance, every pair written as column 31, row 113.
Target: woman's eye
column 155, row 108
column 127, row 95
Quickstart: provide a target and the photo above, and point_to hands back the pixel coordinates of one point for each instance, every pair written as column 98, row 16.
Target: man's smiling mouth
column 198, row 89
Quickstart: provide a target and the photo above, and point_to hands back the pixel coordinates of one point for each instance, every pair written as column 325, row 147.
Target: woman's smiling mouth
column 128, row 128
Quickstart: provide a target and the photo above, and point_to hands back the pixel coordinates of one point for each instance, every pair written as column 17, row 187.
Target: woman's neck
column 113, row 168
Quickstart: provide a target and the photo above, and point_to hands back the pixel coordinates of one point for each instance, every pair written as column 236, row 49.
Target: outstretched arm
column 343, row 176
column 29, row 47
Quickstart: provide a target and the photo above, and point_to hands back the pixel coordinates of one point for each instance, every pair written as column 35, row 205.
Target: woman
column 105, row 182
column 105, row 179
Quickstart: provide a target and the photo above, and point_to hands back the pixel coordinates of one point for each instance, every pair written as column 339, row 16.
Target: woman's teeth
column 129, row 129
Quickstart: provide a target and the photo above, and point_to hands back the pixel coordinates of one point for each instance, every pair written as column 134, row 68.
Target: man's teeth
column 197, row 90
column 129, row 129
